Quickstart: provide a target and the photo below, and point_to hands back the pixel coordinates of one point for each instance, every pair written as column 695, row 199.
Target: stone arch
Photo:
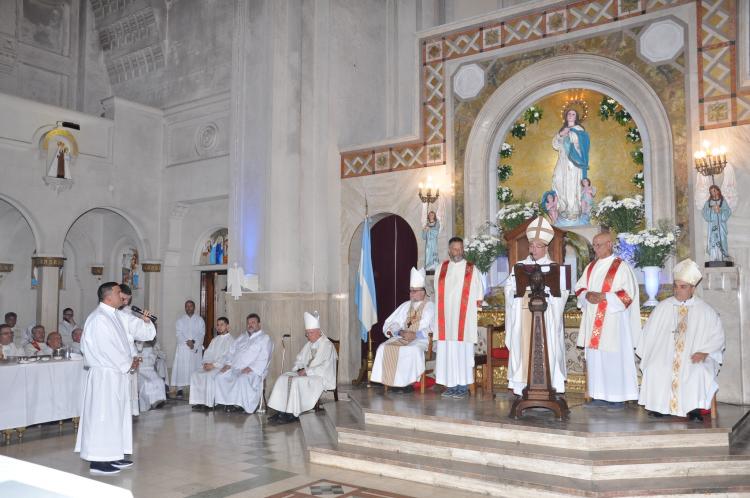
column 142, row 241
column 553, row 75
column 26, row 216
column 198, row 246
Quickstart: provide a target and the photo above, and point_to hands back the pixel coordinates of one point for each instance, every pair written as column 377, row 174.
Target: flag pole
column 370, row 357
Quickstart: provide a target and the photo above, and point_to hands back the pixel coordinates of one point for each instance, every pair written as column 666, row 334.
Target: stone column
column 151, row 285
column 48, row 290
column 721, row 289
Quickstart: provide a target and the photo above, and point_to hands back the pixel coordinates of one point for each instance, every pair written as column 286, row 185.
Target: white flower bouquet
column 512, row 215
column 654, row 245
column 621, row 215
column 483, row 250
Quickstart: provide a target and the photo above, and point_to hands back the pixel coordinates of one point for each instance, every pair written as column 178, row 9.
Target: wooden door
column 209, row 291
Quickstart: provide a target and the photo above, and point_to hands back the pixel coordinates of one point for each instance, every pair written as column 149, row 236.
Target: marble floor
column 180, row 452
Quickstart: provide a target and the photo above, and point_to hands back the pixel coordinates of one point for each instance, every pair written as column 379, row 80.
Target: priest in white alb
column 681, row 350
column 399, row 362
column 240, row 381
column 202, row 381
column 314, row 371
column 610, row 326
column 190, row 329
column 151, row 382
column 459, row 291
column 518, row 317
column 105, row 433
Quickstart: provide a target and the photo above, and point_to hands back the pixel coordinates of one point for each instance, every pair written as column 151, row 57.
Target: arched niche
column 210, row 236
column 17, row 245
column 520, row 91
column 99, row 236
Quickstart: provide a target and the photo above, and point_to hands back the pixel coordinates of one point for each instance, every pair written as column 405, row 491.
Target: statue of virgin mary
column 572, row 144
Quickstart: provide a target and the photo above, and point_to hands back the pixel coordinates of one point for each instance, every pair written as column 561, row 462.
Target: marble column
column 721, row 289
column 48, row 290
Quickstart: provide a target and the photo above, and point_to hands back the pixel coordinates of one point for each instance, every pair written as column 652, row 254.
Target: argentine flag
column 364, row 294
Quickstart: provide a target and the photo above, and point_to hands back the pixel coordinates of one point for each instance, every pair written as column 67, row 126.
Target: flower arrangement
column 607, row 107
column 621, row 215
column 623, row 117
column 483, row 250
column 533, row 114
column 504, row 194
column 637, row 180
column 637, row 156
column 512, row 215
column 654, row 245
column 506, row 150
column 518, row 130
column 504, row 171
column 633, row 135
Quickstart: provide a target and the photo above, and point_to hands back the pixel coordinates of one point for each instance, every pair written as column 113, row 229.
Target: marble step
column 496, row 481
column 579, row 464
column 514, row 432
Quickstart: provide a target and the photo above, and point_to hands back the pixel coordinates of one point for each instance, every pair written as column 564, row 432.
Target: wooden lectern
column 538, row 391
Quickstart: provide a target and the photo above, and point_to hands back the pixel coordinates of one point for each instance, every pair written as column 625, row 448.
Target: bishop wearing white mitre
column 399, row 361
column 314, row 371
column 518, row 316
column 202, row 381
column 240, row 381
column 681, row 350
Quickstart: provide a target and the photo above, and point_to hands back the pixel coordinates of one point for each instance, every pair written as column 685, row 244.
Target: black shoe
column 408, row 389
column 695, row 415
column 274, row 417
column 180, row 394
column 655, row 414
column 122, row 464
column 103, row 469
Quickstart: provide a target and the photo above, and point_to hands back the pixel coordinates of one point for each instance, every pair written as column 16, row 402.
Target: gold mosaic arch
column 63, row 133
column 721, row 102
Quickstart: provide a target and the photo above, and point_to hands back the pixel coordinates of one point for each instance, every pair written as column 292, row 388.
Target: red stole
column 464, row 300
column 36, row 345
column 601, row 308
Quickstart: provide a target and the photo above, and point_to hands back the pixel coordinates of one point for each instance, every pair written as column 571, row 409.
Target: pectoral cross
column 538, row 392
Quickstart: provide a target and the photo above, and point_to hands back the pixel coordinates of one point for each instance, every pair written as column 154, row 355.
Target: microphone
column 138, row 311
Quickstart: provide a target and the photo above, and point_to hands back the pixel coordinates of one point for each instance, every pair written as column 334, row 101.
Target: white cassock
column 672, row 383
column 239, row 389
column 455, row 352
column 518, row 332
column 34, row 348
column 150, row 383
column 295, row 394
column 11, row 350
column 136, row 330
column 66, row 331
column 186, row 360
column 75, row 347
column 410, row 364
column 105, row 432
column 202, row 381
column 609, row 342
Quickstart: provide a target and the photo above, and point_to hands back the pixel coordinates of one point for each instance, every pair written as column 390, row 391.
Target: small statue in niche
column 716, row 212
column 430, row 233
column 587, row 200
column 59, row 166
column 550, row 205
column 206, row 253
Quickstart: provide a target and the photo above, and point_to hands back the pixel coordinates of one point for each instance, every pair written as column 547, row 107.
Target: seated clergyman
column 681, row 350
column 240, row 381
column 37, row 345
column 399, row 362
column 202, row 381
column 314, row 371
column 151, row 383
column 54, row 340
column 75, row 344
column 7, row 348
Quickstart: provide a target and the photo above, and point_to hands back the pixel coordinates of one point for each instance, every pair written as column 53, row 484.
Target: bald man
column 610, row 327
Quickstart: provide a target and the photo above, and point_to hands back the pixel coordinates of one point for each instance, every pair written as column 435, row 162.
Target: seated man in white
column 399, row 362
column 202, row 381
column 518, row 317
column 37, row 345
column 54, row 340
column 314, row 371
column 240, row 381
column 75, row 344
column 681, row 349
column 151, row 384
column 7, row 348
